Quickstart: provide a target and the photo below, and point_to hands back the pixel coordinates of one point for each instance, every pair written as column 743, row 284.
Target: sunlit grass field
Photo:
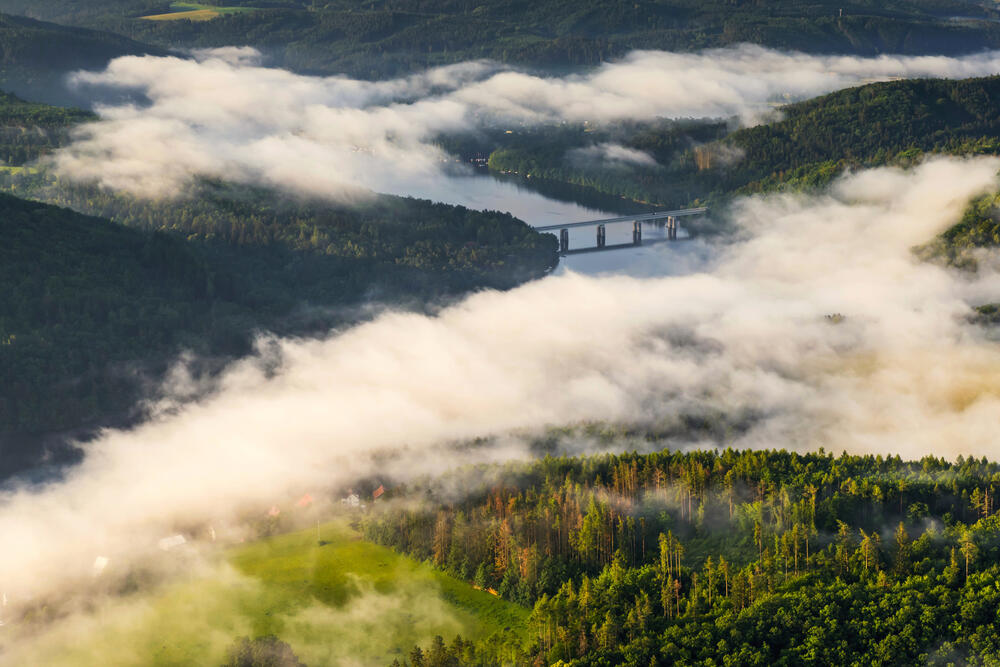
column 194, row 11
column 346, row 602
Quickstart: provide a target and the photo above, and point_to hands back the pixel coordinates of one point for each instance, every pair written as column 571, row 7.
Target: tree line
column 721, row 557
column 895, row 122
column 94, row 309
column 378, row 38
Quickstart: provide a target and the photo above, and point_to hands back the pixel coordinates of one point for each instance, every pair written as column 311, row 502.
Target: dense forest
column 712, row 557
column 30, row 130
column 92, row 312
column 895, row 122
column 269, row 257
column 36, row 57
column 387, row 37
column 80, row 298
column 718, row 557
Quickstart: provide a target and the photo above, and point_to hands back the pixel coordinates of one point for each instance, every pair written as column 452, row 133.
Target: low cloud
column 222, row 114
column 610, row 155
column 748, row 333
column 196, row 619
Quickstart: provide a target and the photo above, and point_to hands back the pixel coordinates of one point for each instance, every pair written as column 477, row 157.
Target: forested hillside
column 35, row 56
column 81, row 297
column 91, row 311
column 762, row 557
column 29, row 130
column 872, row 125
column 382, row 37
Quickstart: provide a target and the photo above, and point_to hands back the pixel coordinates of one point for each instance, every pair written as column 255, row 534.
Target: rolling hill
column 92, row 310
column 36, row 56
column 384, row 37
column 895, row 122
column 345, row 601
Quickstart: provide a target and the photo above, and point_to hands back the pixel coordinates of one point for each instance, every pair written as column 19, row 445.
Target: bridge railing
column 642, row 217
column 669, row 219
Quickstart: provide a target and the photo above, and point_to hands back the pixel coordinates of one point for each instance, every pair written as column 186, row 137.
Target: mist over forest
column 442, row 333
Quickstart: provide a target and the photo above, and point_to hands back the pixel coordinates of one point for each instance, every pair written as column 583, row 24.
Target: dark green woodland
column 895, row 122
column 719, row 557
column 96, row 309
column 374, row 38
column 715, row 557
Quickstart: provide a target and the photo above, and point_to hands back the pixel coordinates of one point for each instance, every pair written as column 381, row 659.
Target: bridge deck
column 643, row 217
column 621, row 246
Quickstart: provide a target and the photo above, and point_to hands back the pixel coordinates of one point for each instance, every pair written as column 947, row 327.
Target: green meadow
column 194, row 11
column 346, row 601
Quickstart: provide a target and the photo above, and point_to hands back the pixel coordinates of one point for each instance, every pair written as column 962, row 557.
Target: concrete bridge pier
column 563, row 240
column 601, row 236
column 636, row 233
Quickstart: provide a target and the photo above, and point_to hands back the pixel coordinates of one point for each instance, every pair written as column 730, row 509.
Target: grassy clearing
column 196, row 15
column 193, row 11
column 348, row 601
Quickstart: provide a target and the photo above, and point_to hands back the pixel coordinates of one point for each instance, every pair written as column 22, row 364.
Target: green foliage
column 266, row 651
column 725, row 557
column 341, row 600
column 893, row 122
column 884, row 123
column 560, row 154
column 978, row 227
column 91, row 312
column 48, row 46
column 36, row 57
column 383, row 37
column 29, row 130
column 401, row 237
column 79, row 297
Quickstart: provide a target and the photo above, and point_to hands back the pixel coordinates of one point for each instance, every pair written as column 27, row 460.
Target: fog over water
column 225, row 114
column 745, row 333
column 739, row 329
column 483, row 192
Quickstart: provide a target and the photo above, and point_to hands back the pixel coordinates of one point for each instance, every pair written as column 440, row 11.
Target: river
column 565, row 204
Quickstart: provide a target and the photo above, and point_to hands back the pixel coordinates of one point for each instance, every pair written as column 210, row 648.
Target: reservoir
column 564, row 204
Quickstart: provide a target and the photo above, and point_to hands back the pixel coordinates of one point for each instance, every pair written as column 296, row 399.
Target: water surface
column 485, row 192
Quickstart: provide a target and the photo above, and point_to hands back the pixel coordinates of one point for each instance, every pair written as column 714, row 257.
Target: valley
column 255, row 250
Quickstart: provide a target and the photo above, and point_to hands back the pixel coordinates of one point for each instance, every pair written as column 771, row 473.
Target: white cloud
column 903, row 372
column 224, row 115
column 609, row 154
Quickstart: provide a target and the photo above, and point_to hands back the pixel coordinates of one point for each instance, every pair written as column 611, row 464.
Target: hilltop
column 29, row 130
column 895, row 122
column 722, row 557
column 93, row 308
column 36, row 56
column 335, row 601
column 385, row 37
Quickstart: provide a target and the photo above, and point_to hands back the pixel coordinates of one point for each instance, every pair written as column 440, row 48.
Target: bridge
column 643, row 217
column 667, row 219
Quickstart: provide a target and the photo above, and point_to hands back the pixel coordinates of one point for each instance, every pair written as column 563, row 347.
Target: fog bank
column 899, row 369
column 223, row 114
